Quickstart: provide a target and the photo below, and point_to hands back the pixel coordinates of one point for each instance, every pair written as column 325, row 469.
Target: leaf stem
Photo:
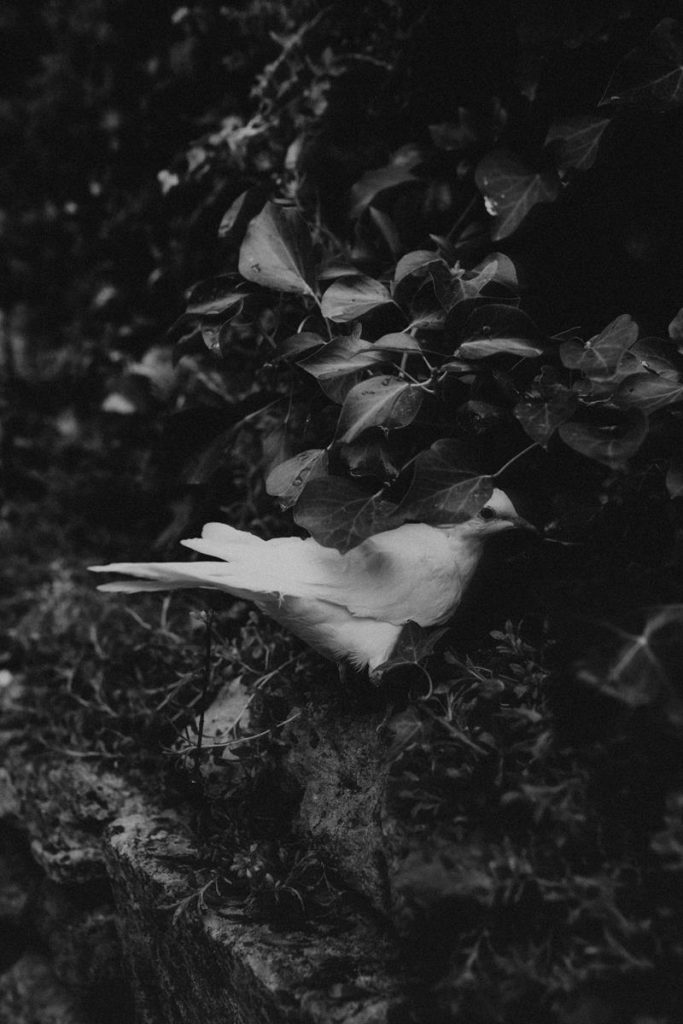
column 514, row 458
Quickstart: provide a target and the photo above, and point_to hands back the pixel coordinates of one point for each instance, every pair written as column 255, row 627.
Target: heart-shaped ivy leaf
column 611, row 444
column 287, row 480
column 413, row 647
column 648, row 391
column 496, row 329
column 417, row 262
column 576, row 141
column 605, row 355
column 651, row 75
column 340, row 513
column 540, row 419
column 353, row 297
column 510, row 190
column 382, row 401
column 443, row 490
column 276, row 251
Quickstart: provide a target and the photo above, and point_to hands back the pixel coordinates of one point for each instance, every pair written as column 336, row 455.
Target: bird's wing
column 401, row 575
column 396, row 576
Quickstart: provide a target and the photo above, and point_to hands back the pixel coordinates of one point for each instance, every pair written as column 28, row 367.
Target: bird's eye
column 487, row 513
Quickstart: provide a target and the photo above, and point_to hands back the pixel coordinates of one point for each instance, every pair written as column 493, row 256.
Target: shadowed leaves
column 287, row 480
column 382, row 401
column 353, row 297
column 499, row 329
column 340, row 513
column 276, row 251
column 611, row 444
column 651, row 75
column 442, row 490
column 510, row 190
column 576, row 142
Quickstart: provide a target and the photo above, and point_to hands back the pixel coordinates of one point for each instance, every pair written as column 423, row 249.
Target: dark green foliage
column 407, row 252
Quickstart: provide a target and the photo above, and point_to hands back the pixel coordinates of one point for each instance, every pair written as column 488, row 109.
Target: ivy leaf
column 540, row 419
column 511, row 190
column 648, row 391
column 215, row 297
column 413, row 646
column 503, row 270
column 655, row 356
column 353, row 297
column 398, row 341
column 417, row 262
column 676, row 327
column 371, row 457
column 576, row 141
column 340, row 514
column 276, row 251
column 287, row 480
column 442, row 490
column 240, row 212
column 651, row 75
column 610, row 444
column 382, row 401
column 494, row 329
column 603, row 356
column 293, row 346
column 674, row 477
column 397, row 172
column 341, row 356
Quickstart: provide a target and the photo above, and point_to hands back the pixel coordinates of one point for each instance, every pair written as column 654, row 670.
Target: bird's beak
column 523, row 524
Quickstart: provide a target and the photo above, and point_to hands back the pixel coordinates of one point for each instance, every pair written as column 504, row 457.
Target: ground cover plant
column 407, row 253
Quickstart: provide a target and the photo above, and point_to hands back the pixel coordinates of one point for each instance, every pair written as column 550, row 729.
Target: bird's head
column 497, row 514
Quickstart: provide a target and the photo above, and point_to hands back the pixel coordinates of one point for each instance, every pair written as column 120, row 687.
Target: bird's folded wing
column 396, row 576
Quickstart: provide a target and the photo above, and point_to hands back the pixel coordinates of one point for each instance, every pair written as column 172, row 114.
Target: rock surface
column 189, row 968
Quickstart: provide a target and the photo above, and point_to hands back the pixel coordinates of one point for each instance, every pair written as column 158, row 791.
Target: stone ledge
column 190, row 968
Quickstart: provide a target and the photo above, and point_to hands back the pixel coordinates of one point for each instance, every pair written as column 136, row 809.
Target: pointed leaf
column 304, row 341
column 372, row 457
column 657, row 356
column 651, row 75
column 341, row 356
column 214, row 297
column 540, row 419
column 382, row 401
column 413, row 647
column 287, row 480
column 353, row 297
column 387, row 229
column 648, row 391
column 442, row 489
column 511, row 190
column 397, row 172
column 340, row 514
column 503, row 272
column 398, row 341
column 611, row 445
column 576, row 141
column 240, row 212
column 417, row 263
column 604, row 356
column 496, row 329
column 674, row 477
column 276, row 251
column 676, row 327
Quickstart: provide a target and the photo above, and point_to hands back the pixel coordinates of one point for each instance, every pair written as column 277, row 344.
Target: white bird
column 350, row 605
